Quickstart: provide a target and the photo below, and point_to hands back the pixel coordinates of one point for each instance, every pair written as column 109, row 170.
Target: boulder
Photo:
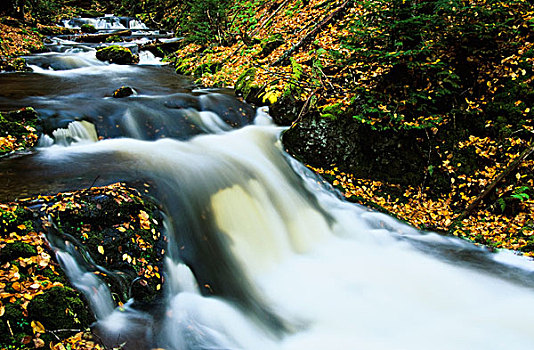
column 123, row 91
column 116, row 54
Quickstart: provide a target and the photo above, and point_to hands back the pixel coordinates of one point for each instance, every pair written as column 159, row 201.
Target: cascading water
column 261, row 254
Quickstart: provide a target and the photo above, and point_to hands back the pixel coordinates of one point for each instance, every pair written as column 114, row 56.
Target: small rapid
column 262, row 253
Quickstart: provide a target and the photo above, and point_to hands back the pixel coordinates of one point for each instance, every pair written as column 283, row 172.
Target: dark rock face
column 286, row 110
column 116, row 54
column 393, row 156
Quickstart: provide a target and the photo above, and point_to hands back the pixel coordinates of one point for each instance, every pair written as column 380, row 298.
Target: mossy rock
column 122, row 234
column 116, row 54
column 270, row 44
column 88, row 28
column 17, row 64
column 60, row 308
column 246, row 88
column 114, row 39
column 23, row 125
column 14, row 250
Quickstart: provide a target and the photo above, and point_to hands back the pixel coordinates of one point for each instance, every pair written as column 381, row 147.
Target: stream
column 294, row 265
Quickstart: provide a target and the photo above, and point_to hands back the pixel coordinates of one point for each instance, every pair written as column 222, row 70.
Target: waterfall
column 262, row 254
column 259, row 261
column 76, row 132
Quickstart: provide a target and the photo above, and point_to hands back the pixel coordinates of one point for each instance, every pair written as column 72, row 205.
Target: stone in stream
column 123, row 91
column 116, row 54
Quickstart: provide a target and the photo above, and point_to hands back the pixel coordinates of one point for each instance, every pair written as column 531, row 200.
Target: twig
column 283, row 76
column 94, row 181
column 306, row 106
column 255, row 31
column 494, row 183
column 312, row 33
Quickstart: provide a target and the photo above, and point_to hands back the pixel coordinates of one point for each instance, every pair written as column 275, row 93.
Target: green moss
column 114, row 39
column 13, row 326
column 60, row 308
column 116, row 54
column 244, row 85
column 88, row 28
column 14, row 250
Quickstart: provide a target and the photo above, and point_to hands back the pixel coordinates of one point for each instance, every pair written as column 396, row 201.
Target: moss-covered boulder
column 118, row 231
column 116, row 54
column 35, row 298
column 60, row 308
column 88, row 28
column 246, row 88
column 18, row 130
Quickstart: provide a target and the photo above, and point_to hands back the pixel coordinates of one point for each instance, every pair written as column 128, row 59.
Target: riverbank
column 114, row 227
column 415, row 115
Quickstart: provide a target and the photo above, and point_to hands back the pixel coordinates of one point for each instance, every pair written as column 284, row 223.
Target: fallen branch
column 467, row 212
column 312, row 33
column 306, row 106
column 255, row 31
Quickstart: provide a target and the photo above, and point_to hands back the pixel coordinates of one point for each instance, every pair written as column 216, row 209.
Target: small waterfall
column 105, row 23
column 136, row 24
column 94, row 289
column 147, row 57
column 76, row 132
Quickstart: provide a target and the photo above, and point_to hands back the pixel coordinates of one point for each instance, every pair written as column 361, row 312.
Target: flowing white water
column 261, row 255
column 337, row 275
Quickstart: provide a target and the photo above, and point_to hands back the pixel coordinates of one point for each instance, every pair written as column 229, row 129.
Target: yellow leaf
column 101, row 249
column 37, row 327
column 121, row 229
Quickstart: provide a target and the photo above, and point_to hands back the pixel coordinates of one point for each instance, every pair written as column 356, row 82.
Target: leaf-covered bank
column 114, row 229
column 421, row 104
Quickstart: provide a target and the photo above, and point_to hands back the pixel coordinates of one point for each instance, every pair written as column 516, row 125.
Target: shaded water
column 262, row 254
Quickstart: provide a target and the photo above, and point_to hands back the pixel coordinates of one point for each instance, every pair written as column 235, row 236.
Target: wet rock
column 88, row 28
column 123, row 91
column 118, row 231
column 393, row 156
column 286, row 110
column 116, row 54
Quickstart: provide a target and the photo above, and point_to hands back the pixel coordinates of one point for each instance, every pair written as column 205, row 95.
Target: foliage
column 422, row 63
